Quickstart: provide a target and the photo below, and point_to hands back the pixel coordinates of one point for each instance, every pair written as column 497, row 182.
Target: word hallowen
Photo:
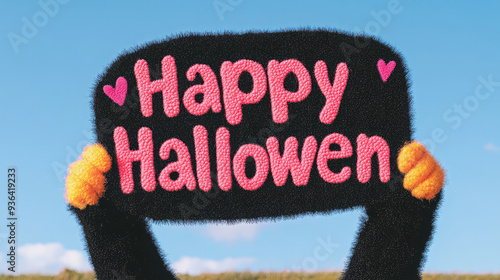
column 267, row 158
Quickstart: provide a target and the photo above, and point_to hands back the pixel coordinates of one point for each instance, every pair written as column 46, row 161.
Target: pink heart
column 385, row 70
column 119, row 92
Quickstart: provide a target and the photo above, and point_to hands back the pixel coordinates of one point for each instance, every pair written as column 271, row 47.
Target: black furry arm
column 120, row 244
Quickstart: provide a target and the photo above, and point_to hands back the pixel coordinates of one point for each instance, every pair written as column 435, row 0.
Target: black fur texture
column 397, row 227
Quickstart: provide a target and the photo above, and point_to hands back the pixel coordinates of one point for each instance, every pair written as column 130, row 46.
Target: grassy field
column 72, row 275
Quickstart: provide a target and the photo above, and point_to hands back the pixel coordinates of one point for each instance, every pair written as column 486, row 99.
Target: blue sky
column 451, row 49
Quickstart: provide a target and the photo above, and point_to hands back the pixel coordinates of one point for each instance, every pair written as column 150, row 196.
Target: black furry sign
column 258, row 121
column 231, row 127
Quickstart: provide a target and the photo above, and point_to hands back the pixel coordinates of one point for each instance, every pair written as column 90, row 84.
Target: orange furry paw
column 424, row 177
column 85, row 181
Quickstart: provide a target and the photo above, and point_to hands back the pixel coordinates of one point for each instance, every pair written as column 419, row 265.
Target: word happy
column 268, row 160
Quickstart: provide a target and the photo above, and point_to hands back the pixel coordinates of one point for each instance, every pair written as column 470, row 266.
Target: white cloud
column 196, row 266
column 232, row 233
column 50, row 258
column 491, row 147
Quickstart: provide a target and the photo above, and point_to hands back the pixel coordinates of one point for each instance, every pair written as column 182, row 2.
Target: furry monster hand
column 85, row 181
column 424, row 177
